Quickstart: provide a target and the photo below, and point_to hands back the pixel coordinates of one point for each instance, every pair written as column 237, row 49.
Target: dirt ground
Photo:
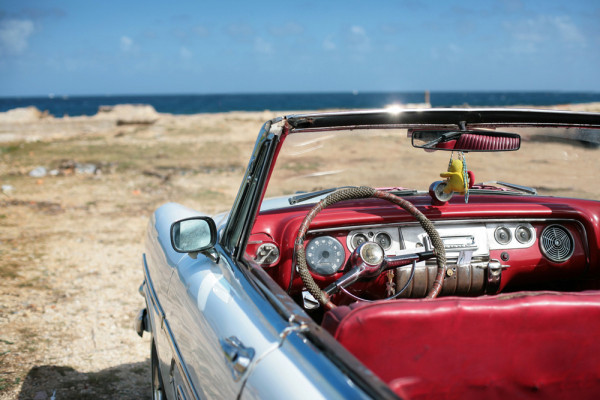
column 71, row 244
column 71, row 239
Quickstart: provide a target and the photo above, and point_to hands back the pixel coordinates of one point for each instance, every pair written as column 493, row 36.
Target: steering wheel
column 363, row 265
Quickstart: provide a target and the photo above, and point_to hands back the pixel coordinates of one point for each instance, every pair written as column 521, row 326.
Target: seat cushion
column 520, row 345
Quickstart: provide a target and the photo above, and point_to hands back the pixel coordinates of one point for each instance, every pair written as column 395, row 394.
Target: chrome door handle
column 237, row 355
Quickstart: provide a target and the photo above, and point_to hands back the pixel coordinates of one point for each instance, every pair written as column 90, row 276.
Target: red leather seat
column 519, row 345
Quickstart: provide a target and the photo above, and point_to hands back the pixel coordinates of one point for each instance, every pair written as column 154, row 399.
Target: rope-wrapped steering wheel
column 363, row 192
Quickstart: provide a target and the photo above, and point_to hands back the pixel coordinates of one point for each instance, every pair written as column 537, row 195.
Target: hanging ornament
column 458, row 180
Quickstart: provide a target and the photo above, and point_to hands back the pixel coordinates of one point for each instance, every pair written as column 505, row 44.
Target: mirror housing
column 470, row 140
column 192, row 235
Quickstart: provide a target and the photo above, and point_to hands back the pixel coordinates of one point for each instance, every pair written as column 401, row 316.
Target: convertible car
column 441, row 253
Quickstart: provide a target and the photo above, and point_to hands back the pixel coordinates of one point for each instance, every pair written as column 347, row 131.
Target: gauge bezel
column 354, row 236
column 317, row 269
column 389, row 238
column 528, row 229
column 263, row 246
column 504, row 243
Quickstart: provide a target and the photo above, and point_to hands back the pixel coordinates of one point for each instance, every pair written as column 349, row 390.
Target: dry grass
column 71, row 245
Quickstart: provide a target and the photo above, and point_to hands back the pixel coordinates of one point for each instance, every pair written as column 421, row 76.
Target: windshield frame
column 441, row 118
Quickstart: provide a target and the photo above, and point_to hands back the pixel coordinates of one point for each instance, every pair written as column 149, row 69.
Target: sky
column 78, row 47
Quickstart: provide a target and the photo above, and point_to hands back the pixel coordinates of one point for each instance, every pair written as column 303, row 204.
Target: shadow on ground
column 127, row 381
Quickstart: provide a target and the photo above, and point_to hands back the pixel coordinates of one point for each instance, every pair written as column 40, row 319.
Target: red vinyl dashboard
column 521, row 265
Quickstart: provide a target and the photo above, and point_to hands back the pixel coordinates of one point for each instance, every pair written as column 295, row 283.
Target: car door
column 218, row 330
column 159, row 262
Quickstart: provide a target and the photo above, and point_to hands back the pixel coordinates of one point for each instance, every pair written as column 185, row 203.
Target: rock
column 7, row 189
column 22, row 115
column 67, row 167
column 38, row 172
column 128, row 114
column 89, row 169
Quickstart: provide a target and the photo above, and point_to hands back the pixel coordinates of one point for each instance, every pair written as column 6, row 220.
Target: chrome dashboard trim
column 469, row 242
column 460, row 221
column 167, row 328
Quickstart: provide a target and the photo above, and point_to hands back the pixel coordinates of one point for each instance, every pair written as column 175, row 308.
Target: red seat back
column 520, row 345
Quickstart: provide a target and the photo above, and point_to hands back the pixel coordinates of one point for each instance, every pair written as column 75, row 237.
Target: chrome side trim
column 167, row 329
column 181, row 393
column 151, row 292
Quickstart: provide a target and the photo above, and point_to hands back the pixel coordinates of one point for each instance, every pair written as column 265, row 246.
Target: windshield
column 555, row 161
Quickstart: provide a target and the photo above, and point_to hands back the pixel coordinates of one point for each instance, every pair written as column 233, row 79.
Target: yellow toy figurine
column 455, row 178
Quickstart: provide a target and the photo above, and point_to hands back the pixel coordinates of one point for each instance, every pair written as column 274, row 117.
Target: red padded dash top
column 520, row 345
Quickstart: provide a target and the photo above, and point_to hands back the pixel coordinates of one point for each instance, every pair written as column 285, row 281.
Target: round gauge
column 325, row 255
column 523, row 234
column 267, row 254
column 384, row 240
column 436, row 191
column 358, row 239
column 502, row 235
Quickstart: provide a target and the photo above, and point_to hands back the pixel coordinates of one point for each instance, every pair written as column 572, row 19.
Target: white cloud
column 358, row 31
column 185, row 53
column 262, row 46
column 126, row 44
column 290, row 28
column 241, row 32
column 200, row 30
column 569, row 31
column 329, row 44
column 14, row 35
column 454, row 49
column 544, row 30
column 358, row 38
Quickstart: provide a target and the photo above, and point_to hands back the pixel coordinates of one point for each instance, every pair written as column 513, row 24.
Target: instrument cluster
column 388, row 238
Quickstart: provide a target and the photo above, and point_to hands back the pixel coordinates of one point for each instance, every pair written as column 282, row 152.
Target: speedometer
column 325, row 255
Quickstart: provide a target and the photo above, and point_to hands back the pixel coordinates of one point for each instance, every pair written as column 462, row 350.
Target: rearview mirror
column 466, row 141
column 194, row 234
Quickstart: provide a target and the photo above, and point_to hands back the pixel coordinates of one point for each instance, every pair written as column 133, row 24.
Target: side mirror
column 193, row 235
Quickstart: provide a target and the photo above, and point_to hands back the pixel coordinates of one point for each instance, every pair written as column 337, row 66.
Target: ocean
column 211, row 103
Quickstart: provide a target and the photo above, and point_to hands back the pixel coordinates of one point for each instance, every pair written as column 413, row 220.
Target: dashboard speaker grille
column 557, row 243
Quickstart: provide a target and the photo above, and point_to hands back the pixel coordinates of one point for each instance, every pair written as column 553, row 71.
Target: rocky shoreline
column 30, row 124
